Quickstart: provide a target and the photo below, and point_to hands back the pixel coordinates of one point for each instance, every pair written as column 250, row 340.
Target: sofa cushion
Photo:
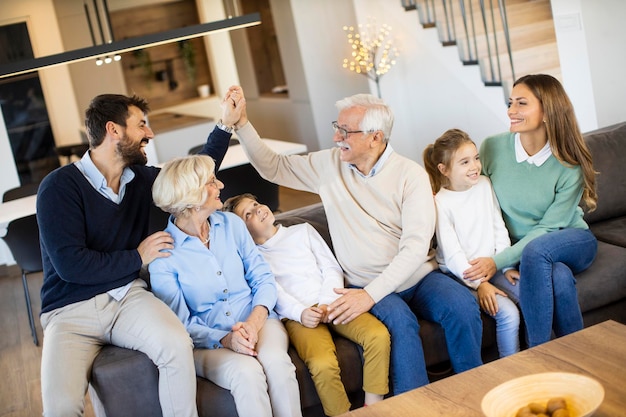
column 313, row 214
column 611, row 231
column 608, row 149
column 115, row 373
column 603, row 282
column 213, row 400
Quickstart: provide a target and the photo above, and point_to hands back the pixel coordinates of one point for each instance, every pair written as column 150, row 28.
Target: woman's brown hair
column 564, row 136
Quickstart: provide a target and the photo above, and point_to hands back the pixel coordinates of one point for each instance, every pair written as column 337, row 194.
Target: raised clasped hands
column 234, row 107
column 352, row 303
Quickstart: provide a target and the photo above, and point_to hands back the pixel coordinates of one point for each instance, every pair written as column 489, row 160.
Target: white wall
column 321, row 54
column 574, row 59
column 591, row 36
column 285, row 117
column 428, row 89
column 606, row 36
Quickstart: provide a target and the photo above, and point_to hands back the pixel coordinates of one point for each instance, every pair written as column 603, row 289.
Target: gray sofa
column 126, row 381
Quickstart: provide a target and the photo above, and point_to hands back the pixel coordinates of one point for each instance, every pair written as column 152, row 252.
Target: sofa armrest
column 126, row 382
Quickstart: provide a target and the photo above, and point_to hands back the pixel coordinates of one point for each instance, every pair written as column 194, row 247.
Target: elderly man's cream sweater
column 381, row 226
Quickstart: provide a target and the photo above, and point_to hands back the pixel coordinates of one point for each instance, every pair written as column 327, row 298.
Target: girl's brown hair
column 441, row 152
column 564, row 136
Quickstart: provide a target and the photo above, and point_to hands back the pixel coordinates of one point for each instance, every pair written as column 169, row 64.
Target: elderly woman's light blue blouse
column 211, row 290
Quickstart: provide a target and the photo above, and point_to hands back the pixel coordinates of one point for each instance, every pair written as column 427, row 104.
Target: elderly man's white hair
column 378, row 116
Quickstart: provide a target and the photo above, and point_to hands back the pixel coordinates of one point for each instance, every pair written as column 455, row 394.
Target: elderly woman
column 223, row 291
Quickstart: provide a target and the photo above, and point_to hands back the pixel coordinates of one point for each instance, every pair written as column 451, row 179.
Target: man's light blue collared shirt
column 97, row 180
column 388, row 151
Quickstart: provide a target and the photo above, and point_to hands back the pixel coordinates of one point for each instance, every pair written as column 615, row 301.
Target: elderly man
column 381, row 218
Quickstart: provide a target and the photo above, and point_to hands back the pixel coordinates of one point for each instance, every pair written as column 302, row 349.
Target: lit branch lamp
column 373, row 53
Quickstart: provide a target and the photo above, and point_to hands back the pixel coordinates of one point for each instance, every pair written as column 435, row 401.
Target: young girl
column 470, row 225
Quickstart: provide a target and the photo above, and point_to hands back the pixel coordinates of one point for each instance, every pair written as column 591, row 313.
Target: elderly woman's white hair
column 180, row 186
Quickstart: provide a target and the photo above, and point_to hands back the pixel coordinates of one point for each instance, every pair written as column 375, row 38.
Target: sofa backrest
column 313, row 214
column 608, row 149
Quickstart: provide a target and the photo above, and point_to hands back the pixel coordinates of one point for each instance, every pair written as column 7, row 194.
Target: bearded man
column 94, row 222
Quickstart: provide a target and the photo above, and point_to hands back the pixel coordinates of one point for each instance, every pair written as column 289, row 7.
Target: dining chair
column 21, row 191
column 196, row 149
column 22, row 238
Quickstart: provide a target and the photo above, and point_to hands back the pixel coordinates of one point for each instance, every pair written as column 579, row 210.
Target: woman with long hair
column 541, row 170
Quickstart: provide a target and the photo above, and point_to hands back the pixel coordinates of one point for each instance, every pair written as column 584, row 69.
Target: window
column 24, row 110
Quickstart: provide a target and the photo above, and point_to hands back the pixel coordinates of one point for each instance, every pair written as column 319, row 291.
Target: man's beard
column 131, row 153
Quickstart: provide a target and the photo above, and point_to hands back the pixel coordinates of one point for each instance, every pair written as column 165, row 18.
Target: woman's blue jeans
column 438, row 299
column 548, row 296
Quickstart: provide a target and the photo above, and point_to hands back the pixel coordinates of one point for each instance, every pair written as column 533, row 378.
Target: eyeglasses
column 343, row 132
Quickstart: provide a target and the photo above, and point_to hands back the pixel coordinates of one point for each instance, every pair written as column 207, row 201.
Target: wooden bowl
column 582, row 394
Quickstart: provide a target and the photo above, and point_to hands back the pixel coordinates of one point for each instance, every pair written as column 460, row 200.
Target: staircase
column 506, row 38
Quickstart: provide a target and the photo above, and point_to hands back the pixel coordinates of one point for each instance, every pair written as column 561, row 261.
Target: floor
column 20, row 359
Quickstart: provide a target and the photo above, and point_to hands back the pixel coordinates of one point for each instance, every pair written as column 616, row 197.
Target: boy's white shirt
column 305, row 268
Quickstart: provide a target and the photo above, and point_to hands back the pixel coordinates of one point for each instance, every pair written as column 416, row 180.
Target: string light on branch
column 372, row 51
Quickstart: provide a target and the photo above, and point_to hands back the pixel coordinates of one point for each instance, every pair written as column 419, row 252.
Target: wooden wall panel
column 168, row 83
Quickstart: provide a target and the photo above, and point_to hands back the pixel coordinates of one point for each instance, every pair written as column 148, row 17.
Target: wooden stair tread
column 521, row 37
column 526, row 61
column 507, row 82
column 531, row 35
column 518, row 14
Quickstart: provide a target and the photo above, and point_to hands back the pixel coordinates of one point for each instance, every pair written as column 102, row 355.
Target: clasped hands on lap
column 245, row 335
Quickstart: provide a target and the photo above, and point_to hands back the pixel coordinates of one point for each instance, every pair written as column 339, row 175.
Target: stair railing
column 507, row 36
column 442, row 14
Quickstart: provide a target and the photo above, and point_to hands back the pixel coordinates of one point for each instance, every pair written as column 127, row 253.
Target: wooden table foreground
column 598, row 352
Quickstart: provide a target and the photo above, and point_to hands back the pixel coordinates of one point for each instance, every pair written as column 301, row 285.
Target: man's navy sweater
column 89, row 243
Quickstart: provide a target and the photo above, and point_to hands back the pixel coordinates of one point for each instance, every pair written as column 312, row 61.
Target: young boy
column 307, row 273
